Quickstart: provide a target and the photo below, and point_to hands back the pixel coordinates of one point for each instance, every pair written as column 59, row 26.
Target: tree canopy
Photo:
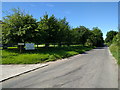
column 110, row 35
column 21, row 27
column 18, row 27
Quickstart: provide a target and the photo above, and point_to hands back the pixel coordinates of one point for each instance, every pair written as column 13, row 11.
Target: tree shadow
column 84, row 53
column 99, row 48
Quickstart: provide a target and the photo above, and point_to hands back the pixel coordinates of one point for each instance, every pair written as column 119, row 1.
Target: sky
column 103, row 15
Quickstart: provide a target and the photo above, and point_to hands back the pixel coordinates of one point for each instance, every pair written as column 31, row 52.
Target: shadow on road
column 84, row 53
column 101, row 47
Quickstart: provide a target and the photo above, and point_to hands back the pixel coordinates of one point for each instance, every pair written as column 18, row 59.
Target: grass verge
column 12, row 55
column 115, row 52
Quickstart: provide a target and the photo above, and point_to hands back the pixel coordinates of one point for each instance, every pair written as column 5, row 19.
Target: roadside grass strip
column 115, row 52
column 41, row 54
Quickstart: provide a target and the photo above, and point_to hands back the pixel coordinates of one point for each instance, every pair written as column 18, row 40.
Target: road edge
column 16, row 75
column 112, row 56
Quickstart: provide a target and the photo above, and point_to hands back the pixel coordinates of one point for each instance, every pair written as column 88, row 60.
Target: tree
column 18, row 27
column 116, row 39
column 91, row 41
column 63, row 34
column 1, row 32
column 98, row 36
column 48, row 26
column 82, row 34
column 110, row 35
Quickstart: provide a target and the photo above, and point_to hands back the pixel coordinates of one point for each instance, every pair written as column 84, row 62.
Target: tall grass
column 40, row 55
column 115, row 52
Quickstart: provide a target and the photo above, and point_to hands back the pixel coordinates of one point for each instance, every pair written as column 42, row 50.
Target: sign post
column 21, row 45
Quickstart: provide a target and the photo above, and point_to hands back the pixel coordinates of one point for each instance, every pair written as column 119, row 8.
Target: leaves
column 18, row 25
column 22, row 27
column 110, row 35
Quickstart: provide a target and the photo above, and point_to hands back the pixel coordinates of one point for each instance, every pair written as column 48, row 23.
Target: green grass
column 115, row 52
column 41, row 55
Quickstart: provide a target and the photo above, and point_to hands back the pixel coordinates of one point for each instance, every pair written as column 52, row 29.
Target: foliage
column 18, row 27
column 49, row 28
column 115, row 47
column 115, row 52
column 81, row 34
column 64, row 33
column 109, row 36
column 97, row 37
column 21, row 27
column 116, row 39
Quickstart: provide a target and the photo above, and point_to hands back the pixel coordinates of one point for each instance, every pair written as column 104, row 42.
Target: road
column 93, row 69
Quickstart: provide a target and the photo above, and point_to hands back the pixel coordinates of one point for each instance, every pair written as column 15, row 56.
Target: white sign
column 29, row 46
column 20, row 43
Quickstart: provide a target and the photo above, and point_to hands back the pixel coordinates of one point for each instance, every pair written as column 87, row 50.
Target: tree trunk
column 59, row 44
column 37, row 45
column 21, row 48
column 54, row 44
column 68, row 44
column 4, row 46
column 47, row 45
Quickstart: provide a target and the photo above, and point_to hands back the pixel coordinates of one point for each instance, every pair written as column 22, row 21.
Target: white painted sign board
column 29, row 46
column 20, row 43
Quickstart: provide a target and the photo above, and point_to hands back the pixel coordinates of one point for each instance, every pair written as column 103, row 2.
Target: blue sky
column 89, row 14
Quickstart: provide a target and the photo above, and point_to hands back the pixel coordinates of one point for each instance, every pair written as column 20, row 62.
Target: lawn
column 115, row 50
column 40, row 55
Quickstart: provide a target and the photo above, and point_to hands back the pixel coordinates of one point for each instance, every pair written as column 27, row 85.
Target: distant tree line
column 20, row 27
column 111, row 37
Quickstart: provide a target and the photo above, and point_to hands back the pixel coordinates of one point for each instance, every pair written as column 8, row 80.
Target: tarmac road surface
column 93, row 69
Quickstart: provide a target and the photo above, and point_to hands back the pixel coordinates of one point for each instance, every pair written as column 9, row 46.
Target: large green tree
column 18, row 27
column 48, row 27
column 82, row 34
column 91, row 40
column 63, row 34
column 98, row 37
